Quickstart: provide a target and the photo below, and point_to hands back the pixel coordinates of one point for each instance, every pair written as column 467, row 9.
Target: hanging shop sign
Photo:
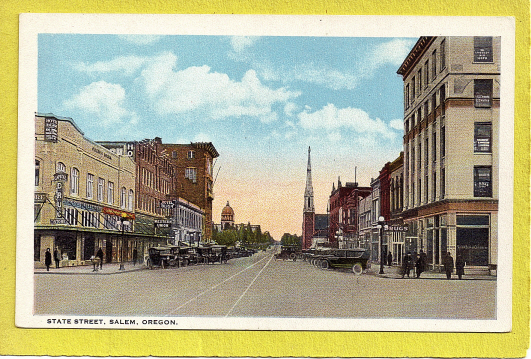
column 118, row 212
column 167, row 204
column 162, row 223
column 39, row 198
column 59, row 179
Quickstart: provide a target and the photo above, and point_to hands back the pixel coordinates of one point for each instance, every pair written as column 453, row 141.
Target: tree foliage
column 246, row 236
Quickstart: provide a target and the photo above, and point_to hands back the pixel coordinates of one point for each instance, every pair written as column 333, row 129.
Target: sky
column 262, row 102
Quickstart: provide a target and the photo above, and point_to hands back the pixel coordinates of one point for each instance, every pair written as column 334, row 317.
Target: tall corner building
column 451, row 134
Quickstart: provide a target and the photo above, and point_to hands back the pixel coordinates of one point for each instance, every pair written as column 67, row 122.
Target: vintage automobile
column 355, row 258
column 288, row 252
column 162, row 256
column 320, row 254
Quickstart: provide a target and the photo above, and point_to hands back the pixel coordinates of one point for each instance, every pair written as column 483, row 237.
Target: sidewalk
column 394, row 273
column 108, row 268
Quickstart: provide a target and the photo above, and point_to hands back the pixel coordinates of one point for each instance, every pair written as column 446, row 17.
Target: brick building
column 451, row 131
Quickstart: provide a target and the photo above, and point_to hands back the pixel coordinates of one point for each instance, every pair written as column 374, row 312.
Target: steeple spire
column 308, row 192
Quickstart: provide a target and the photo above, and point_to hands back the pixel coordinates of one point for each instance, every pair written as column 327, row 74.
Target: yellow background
column 16, row 341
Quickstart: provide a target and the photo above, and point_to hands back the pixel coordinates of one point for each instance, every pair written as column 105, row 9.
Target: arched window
column 61, row 167
column 123, row 198
column 130, row 201
column 74, row 181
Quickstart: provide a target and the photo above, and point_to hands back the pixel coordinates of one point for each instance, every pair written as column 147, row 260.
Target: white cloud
column 397, row 124
column 290, row 109
column 126, row 64
column 104, row 101
column 200, row 89
column 202, row 137
column 392, row 52
column 332, row 119
column 140, row 39
column 240, row 43
column 331, row 78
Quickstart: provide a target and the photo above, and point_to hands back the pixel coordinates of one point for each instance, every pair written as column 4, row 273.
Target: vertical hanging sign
column 59, row 178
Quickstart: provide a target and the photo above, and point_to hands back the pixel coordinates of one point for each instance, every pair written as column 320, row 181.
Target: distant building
column 228, row 221
column 343, row 220
column 451, row 139
column 308, row 212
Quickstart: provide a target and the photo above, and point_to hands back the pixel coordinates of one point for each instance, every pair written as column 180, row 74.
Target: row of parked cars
column 356, row 259
column 183, row 255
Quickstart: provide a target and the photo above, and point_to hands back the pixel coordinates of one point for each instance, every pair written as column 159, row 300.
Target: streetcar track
column 217, row 285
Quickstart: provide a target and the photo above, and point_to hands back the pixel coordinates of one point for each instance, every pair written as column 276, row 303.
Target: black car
column 355, row 258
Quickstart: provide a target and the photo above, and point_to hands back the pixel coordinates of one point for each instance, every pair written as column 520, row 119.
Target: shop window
column 482, row 137
column 472, row 239
column 483, row 49
column 483, row 93
column 482, row 181
column 37, row 248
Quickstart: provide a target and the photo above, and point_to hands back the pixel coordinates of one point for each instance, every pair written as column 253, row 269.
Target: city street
column 265, row 287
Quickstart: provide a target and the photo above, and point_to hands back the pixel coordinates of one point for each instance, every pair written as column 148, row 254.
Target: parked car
column 356, row 258
column 288, row 252
column 162, row 256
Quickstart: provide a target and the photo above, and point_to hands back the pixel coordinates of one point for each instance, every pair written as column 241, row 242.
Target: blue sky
column 261, row 101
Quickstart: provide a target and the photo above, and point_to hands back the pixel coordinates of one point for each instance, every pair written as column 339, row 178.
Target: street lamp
column 381, row 224
column 124, row 222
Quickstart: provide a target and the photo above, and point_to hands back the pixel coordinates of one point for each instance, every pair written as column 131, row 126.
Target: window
column 443, row 142
column 482, row 137
column 482, row 49
column 101, row 189
column 413, row 89
column 130, row 200
column 174, row 154
column 74, row 181
column 191, row 174
column 483, row 93
column 426, row 159
column 443, row 100
column 434, row 148
column 426, row 73
column 412, row 159
column 406, row 94
column 426, row 109
column 123, row 198
column 61, row 167
column 419, row 191
column 419, row 75
column 434, row 105
column 426, row 186
column 434, row 65
column 434, row 186
column 443, row 55
column 443, row 183
column 37, row 171
column 71, row 215
column 419, row 154
column 482, row 181
column 472, row 239
column 90, row 185
column 110, row 192
column 191, row 154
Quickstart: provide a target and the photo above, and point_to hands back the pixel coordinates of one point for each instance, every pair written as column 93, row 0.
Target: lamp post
column 124, row 222
column 381, row 224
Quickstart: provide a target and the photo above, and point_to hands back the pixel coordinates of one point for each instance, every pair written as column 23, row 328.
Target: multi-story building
column 194, row 174
column 187, row 222
column 396, row 200
column 451, row 131
column 83, row 193
column 343, row 220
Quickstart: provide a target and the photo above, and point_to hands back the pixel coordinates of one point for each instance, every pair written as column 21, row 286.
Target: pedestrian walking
column 100, row 256
column 406, row 265
column 459, row 266
column 56, row 257
column 48, row 259
column 448, row 265
column 390, row 259
column 421, row 262
column 135, row 254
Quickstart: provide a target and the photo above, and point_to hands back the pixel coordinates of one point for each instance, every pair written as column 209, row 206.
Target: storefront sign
column 50, row 129
column 82, row 205
column 39, row 198
column 162, row 223
column 167, row 204
column 117, row 212
column 58, row 221
column 60, row 176
column 397, row 228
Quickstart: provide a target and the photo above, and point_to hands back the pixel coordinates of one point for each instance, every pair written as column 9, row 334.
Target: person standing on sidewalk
column 135, row 255
column 100, row 256
column 56, row 257
column 459, row 266
column 448, row 265
column 407, row 265
column 421, row 262
column 389, row 259
column 48, row 259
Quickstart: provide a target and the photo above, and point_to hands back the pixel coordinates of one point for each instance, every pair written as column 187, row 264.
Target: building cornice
column 415, row 54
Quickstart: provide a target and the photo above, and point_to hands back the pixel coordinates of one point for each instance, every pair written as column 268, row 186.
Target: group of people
column 418, row 263
column 48, row 258
column 97, row 258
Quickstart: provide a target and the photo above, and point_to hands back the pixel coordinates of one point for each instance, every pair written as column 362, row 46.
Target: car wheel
column 325, row 264
column 185, row 262
column 292, row 256
column 357, row 269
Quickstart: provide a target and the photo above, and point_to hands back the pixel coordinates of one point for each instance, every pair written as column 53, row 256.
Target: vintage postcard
column 238, row 172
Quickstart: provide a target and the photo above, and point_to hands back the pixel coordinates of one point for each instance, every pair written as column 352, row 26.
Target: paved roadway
column 262, row 286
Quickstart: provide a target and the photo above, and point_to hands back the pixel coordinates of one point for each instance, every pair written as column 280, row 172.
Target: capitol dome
column 227, row 216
